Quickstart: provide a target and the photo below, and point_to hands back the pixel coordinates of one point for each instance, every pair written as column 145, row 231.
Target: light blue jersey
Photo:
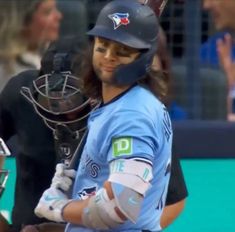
column 136, row 125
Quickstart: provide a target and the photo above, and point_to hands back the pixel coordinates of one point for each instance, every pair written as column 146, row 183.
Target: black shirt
column 177, row 189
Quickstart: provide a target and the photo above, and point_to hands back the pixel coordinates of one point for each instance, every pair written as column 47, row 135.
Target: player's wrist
column 60, row 214
column 64, row 210
column 72, row 212
column 51, row 205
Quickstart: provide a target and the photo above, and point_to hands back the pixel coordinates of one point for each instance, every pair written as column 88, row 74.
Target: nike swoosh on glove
column 51, row 205
column 63, row 177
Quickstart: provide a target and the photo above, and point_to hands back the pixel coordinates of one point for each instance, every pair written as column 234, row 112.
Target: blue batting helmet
column 133, row 24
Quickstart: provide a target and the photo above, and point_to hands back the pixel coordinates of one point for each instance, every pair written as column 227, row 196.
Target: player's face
column 222, row 12
column 45, row 23
column 108, row 55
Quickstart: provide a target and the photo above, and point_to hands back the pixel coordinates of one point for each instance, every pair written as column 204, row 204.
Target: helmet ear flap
column 138, row 68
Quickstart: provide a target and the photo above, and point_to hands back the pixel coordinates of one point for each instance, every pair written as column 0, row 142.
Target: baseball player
column 123, row 175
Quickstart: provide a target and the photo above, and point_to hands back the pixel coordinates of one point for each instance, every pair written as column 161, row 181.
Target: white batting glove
column 63, row 177
column 51, row 205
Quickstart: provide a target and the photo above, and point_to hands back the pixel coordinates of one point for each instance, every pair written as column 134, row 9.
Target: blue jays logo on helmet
column 119, row 19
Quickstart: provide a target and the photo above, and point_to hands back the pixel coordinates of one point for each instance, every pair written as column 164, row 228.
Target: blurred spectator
column 224, row 48
column 220, row 48
column 223, row 18
column 26, row 27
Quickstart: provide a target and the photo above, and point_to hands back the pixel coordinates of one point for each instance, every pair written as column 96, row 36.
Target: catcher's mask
column 57, row 98
column 56, row 93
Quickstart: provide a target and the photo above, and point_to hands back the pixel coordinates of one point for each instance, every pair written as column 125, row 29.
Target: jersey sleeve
column 132, row 135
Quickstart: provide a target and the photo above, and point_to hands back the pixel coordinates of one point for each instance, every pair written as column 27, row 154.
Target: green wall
column 6, row 202
column 209, row 207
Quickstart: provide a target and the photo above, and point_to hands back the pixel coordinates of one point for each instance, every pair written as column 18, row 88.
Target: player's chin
column 51, row 35
column 106, row 77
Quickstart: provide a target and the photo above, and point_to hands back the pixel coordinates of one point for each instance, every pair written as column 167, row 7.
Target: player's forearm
column 72, row 212
column 171, row 212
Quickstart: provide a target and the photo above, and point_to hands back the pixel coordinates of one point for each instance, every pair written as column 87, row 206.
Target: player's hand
column 63, row 177
column 51, row 205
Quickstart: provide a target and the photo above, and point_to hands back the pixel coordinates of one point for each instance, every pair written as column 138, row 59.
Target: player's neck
column 110, row 91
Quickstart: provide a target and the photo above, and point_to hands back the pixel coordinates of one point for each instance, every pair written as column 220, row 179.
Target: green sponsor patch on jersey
column 122, row 146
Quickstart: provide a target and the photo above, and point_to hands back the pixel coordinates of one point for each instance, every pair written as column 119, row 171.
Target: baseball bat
column 75, row 159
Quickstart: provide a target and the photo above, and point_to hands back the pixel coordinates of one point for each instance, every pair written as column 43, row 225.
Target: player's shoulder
column 140, row 103
column 143, row 98
column 140, row 92
column 14, row 85
column 24, row 78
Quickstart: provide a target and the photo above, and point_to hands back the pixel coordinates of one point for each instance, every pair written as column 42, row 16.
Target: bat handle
column 74, row 162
